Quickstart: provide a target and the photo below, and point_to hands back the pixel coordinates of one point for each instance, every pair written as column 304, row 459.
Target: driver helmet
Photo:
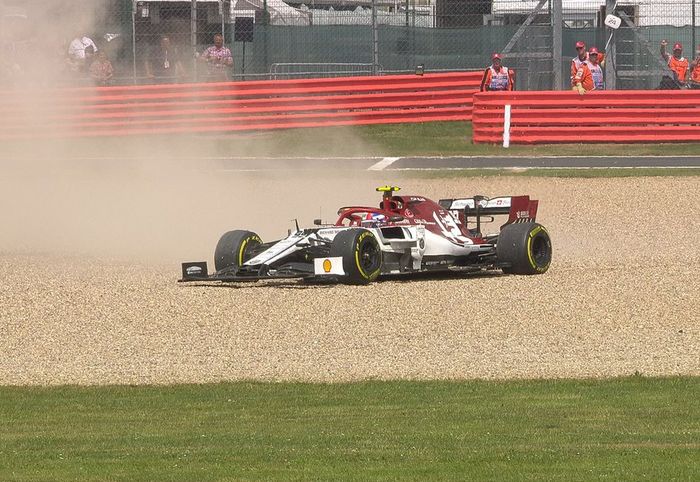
column 372, row 219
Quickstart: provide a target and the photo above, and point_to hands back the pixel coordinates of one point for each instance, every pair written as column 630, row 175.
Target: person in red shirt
column 219, row 60
column 497, row 77
column 676, row 62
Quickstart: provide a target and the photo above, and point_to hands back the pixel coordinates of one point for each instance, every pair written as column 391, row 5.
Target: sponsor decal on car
column 329, row 266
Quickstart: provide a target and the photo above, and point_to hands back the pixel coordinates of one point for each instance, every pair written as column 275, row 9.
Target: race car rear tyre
column 525, row 247
column 235, row 248
column 362, row 256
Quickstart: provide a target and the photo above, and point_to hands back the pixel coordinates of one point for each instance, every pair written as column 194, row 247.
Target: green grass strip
column 620, row 429
column 538, row 172
column 391, row 140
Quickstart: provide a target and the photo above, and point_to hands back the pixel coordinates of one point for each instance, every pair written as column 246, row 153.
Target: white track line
column 383, row 164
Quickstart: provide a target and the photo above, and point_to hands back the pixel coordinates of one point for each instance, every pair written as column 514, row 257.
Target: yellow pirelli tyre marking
column 357, row 262
column 530, row 236
column 357, row 258
column 243, row 245
column 242, row 250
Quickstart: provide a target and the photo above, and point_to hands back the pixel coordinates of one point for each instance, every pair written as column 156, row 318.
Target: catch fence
column 305, row 38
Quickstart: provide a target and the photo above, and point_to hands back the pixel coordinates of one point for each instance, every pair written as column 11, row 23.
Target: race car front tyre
column 362, row 256
column 524, row 248
column 235, row 248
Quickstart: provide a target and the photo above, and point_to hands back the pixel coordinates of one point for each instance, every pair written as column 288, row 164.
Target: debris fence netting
column 163, row 41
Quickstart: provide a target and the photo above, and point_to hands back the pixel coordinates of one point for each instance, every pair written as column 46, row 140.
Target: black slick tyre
column 525, row 248
column 235, row 248
column 362, row 256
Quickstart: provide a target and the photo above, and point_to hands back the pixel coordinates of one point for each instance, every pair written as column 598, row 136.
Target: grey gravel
column 622, row 296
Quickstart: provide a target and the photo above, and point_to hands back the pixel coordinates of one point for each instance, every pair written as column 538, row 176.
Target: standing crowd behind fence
column 112, row 42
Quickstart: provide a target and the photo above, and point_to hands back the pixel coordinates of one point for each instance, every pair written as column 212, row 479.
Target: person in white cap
column 497, row 77
column 80, row 52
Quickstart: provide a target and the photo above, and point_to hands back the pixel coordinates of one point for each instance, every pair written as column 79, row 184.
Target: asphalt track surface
column 445, row 163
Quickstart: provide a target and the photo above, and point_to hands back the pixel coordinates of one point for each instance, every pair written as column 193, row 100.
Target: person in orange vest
column 676, row 62
column 497, row 77
column 582, row 56
column 583, row 80
column 694, row 82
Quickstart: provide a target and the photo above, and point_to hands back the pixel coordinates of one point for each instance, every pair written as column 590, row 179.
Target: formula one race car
column 405, row 234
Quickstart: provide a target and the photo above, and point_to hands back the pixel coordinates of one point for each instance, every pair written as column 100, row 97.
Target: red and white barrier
column 548, row 117
column 238, row 106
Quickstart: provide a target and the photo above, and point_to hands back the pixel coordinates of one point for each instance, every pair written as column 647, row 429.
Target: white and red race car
column 404, row 235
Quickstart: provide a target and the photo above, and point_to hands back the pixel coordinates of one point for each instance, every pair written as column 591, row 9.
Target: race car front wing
column 330, row 267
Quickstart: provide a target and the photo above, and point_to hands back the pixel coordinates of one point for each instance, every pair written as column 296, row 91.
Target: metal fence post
column 193, row 37
column 693, row 34
column 610, row 54
column 265, row 23
column 375, row 39
column 557, row 50
column 223, row 19
column 133, row 40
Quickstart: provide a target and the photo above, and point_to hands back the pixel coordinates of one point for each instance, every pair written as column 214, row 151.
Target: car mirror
column 318, row 222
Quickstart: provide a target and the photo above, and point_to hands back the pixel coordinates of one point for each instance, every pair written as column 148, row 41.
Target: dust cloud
column 156, row 199
column 159, row 210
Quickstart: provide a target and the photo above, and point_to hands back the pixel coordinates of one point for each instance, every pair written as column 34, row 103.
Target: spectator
column 219, row 60
column 496, row 76
column 581, row 57
column 678, row 65
column 589, row 74
column 164, row 61
column 583, row 80
column 596, row 70
column 101, row 70
column 80, row 50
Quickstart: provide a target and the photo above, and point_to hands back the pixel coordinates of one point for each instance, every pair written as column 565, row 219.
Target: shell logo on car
column 332, row 265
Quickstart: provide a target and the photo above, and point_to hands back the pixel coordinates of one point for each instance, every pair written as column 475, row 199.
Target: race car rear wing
column 518, row 208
